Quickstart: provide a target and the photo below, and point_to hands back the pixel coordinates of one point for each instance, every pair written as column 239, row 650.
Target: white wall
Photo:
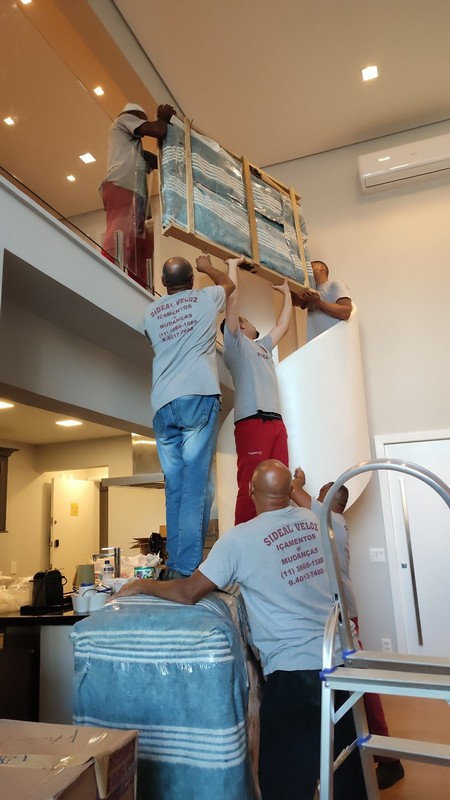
column 93, row 224
column 134, row 512
column 28, row 503
column 393, row 251
column 113, row 452
column 26, row 539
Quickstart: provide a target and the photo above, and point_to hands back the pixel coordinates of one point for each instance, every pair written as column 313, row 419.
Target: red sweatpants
column 121, row 212
column 256, row 440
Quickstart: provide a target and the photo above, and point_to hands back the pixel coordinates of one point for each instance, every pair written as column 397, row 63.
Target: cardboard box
column 39, row 761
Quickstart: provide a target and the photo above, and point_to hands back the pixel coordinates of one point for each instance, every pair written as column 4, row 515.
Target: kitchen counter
column 36, row 666
column 19, row 620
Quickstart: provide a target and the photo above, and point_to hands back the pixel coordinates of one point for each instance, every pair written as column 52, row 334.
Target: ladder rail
column 326, row 526
column 330, row 717
column 355, row 683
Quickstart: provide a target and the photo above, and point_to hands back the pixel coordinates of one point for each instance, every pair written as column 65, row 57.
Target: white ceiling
column 275, row 81
column 35, row 426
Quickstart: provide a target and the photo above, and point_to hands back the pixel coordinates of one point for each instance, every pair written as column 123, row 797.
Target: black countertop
column 15, row 619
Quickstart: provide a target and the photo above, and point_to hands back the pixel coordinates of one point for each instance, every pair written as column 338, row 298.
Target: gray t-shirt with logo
column 253, row 371
column 182, row 330
column 317, row 320
column 278, row 561
column 126, row 163
column 341, row 532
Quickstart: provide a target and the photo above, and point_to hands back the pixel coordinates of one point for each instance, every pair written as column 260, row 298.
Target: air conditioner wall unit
column 395, row 166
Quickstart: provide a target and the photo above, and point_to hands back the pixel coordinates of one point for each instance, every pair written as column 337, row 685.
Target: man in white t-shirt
column 389, row 770
column 259, row 430
column 124, row 189
column 278, row 561
column 181, row 327
column 326, row 305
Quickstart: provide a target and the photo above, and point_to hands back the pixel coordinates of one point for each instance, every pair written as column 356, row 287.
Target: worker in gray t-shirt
column 259, row 429
column 279, row 563
column 326, row 306
column 182, row 328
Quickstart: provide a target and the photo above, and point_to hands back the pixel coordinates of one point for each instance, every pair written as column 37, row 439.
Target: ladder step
column 404, row 661
column 427, row 752
column 381, row 681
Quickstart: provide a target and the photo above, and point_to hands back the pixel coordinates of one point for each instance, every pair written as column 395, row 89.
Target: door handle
column 411, row 561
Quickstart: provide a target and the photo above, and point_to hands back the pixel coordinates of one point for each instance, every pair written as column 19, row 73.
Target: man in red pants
column 124, row 189
column 259, row 429
column 389, row 770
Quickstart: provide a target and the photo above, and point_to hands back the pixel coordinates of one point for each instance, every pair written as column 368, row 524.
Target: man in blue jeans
column 181, row 327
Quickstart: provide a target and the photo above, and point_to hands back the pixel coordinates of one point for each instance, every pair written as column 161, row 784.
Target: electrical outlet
column 13, row 567
column 376, row 554
column 386, row 645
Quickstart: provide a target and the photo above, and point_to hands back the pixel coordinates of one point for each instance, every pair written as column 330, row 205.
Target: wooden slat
column 189, row 177
column 273, row 182
column 250, row 210
column 207, row 245
column 298, row 230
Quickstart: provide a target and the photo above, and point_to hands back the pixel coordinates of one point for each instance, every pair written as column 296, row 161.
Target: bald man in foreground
column 278, row 561
column 182, row 327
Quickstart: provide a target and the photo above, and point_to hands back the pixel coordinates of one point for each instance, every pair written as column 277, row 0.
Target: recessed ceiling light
column 88, row 158
column 71, row 178
column 8, row 121
column 369, row 73
column 25, row 2
column 4, row 404
column 68, row 423
column 98, row 91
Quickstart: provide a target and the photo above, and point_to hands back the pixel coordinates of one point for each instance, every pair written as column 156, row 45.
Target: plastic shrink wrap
column 178, row 674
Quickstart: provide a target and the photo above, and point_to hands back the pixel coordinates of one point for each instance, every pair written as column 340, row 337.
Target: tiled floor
column 426, row 720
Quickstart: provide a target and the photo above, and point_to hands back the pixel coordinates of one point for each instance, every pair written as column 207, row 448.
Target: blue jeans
column 186, row 434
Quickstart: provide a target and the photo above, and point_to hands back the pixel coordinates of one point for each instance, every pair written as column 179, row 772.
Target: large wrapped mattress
column 215, row 179
column 178, row 675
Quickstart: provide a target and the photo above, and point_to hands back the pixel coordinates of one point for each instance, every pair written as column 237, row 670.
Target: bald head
column 270, row 486
column 340, row 499
column 177, row 275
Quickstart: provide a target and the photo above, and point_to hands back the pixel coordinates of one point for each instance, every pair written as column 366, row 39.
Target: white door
column 421, row 530
column 74, row 524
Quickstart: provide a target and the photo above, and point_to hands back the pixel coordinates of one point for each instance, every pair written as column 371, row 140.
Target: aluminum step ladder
column 372, row 671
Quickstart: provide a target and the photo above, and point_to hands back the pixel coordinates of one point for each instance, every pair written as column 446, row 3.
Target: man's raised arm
column 157, row 128
column 282, row 324
column 205, row 267
column 232, row 311
column 298, row 492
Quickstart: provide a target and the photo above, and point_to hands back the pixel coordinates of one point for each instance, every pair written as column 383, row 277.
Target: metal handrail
column 327, row 533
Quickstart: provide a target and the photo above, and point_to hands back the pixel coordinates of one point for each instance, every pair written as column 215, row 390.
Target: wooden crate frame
column 190, row 236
